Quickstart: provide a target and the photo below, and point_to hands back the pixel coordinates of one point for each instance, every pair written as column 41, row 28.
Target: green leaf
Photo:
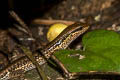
column 102, row 53
column 105, row 60
column 71, row 63
column 100, row 39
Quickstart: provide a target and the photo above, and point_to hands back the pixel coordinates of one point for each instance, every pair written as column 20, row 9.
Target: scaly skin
column 62, row 41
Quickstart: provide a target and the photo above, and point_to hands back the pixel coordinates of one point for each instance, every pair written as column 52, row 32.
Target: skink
column 62, row 41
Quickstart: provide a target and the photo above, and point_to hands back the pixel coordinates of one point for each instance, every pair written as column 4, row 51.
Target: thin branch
column 49, row 22
column 21, row 22
column 25, row 29
column 30, row 56
column 95, row 75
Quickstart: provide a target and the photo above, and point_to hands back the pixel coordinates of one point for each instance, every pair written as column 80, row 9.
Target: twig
column 20, row 28
column 49, row 22
column 96, row 75
column 30, row 56
column 25, row 29
column 66, row 72
column 19, row 20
